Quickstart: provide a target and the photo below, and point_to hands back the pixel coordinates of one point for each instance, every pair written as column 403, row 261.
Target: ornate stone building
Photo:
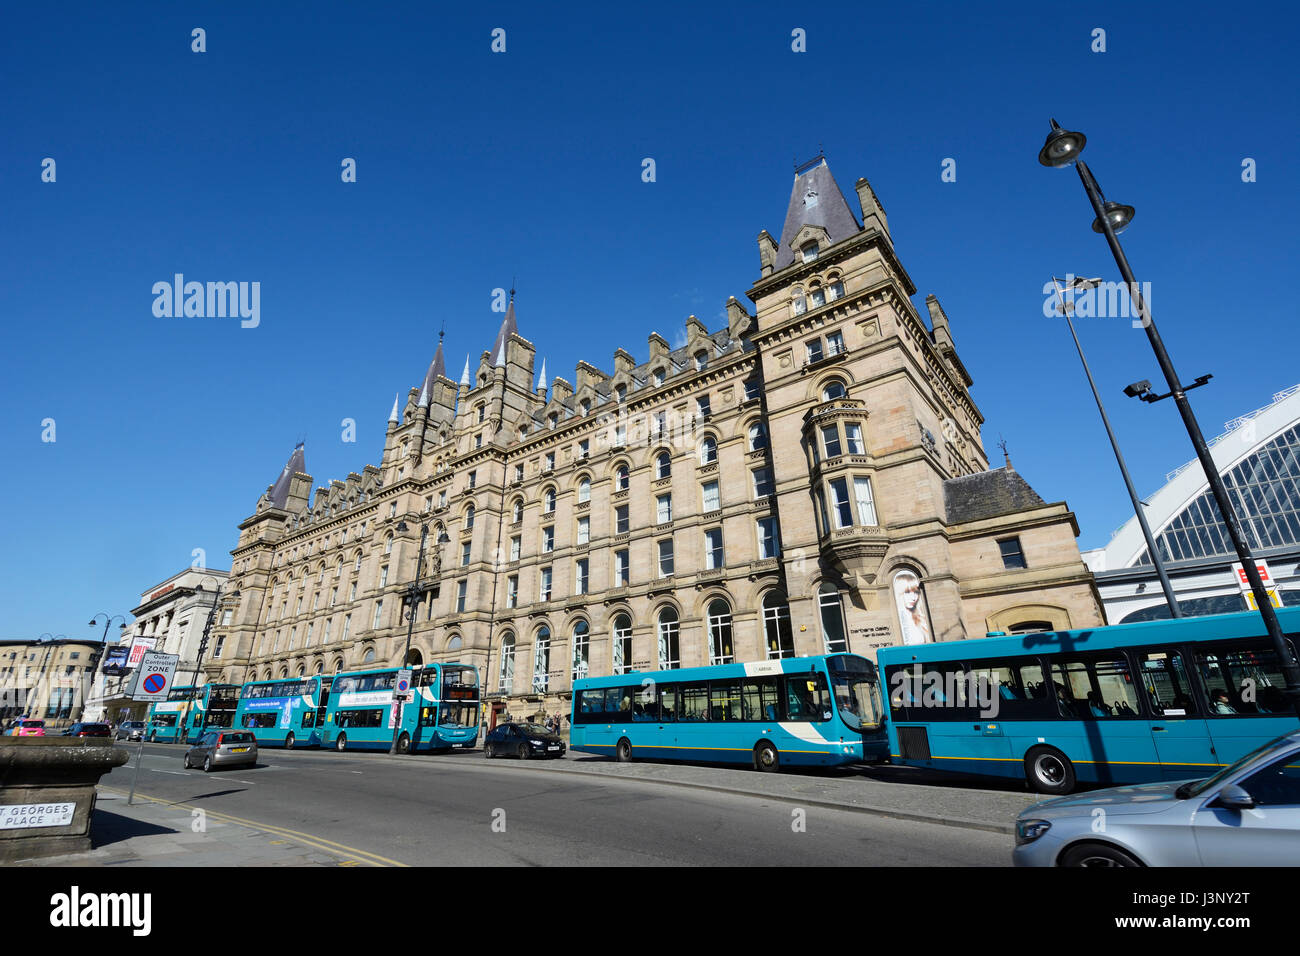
column 809, row 478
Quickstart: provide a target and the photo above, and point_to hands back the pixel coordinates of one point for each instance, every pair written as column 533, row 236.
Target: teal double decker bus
column 442, row 714
column 798, row 711
column 283, row 713
column 164, row 722
column 1131, row 703
column 213, row 706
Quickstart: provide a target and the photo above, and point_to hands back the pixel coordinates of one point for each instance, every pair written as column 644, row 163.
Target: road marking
column 320, row 843
column 179, row 773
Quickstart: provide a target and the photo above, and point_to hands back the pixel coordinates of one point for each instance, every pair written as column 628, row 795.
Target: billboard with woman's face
column 913, row 613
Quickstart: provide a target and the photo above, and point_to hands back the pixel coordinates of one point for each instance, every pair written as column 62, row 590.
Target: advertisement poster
column 913, row 613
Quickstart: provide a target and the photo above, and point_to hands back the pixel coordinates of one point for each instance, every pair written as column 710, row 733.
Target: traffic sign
column 153, row 676
column 402, row 685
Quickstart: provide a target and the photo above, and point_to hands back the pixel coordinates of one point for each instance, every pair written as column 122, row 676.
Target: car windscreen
column 534, row 729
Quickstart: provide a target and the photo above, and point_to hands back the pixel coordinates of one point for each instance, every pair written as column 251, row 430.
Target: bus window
column 694, row 699
column 760, row 699
column 261, row 720
column 1167, row 685
column 309, row 718
column 618, row 703
column 724, row 700
column 591, row 706
column 1242, row 678
column 807, row 698
column 667, row 704
column 645, row 704
column 1094, row 688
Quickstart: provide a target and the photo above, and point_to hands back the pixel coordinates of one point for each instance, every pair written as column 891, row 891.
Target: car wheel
column 487, row 751
column 623, row 750
column 1097, row 854
column 187, row 761
column 289, row 741
column 524, row 751
column 207, row 764
column 766, row 759
column 342, row 743
column 404, row 743
column 1047, row 770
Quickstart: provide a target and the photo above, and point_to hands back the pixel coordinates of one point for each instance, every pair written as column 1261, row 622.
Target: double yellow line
column 352, row 856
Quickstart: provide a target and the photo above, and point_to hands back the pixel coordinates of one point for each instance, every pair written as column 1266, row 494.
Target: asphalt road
column 461, row 809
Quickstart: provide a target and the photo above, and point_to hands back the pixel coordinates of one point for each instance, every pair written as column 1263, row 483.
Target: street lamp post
column 98, row 655
column 203, row 646
column 414, row 591
column 1064, row 308
column 1062, row 148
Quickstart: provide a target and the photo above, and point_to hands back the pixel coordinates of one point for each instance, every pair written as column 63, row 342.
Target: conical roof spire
column 424, row 396
column 815, row 200
column 437, row 368
column 464, row 376
column 541, row 380
column 280, row 490
column 393, row 417
column 508, row 328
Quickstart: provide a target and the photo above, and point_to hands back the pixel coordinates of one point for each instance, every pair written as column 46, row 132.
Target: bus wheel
column 623, row 752
column 1096, row 854
column 1047, row 770
column 342, row 743
column 153, row 738
column 289, row 741
column 404, row 743
column 766, row 758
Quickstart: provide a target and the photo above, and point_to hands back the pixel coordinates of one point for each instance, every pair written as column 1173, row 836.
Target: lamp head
column 1137, row 389
column 401, row 527
column 1062, row 147
column 1118, row 215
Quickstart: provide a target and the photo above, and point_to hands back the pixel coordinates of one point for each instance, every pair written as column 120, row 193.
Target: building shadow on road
column 107, row 828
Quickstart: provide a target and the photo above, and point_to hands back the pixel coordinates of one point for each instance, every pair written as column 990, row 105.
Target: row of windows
column 802, row 697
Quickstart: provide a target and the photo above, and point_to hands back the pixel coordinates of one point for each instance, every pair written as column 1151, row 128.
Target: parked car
column 87, row 730
column 522, row 740
column 26, row 728
column 130, row 730
column 222, row 748
column 1247, row 814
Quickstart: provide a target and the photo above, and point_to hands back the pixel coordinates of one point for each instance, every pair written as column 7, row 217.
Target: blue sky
column 475, row 167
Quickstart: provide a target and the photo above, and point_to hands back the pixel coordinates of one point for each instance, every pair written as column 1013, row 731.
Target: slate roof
column 508, row 327
column 280, row 490
column 437, row 368
column 815, row 200
column 988, row 494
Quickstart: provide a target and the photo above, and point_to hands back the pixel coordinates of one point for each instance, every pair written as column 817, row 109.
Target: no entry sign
column 154, row 676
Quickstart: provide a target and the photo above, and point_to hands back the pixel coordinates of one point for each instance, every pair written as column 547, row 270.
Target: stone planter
column 47, row 793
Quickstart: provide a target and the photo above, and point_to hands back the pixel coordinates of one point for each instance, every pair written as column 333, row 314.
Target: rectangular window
column 473, row 479
column 334, row 596
column 834, row 343
column 853, row 438
column 347, row 626
column 379, row 613
column 544, row 592
column 622, row 569
column 1012, row 556
column 464, row 554
column 831, row 440
column 768, row 545
column 221, row 642
column 516, row 544
column 462, row 588
column 621, row 519
column 711, row 499
column 840, row 503
column 478, row 440
column 702, row 406
column 512, row 591
column 713, row 556
column 226, row 618
column 866, row 503
column 584, row 530
column 762, row 482
column 666, row 558
column 584, row 449
column 580, row 576
column 751, row 389
column 519, row 472
column 550, row 461
column 664, row 508
column 383, row 576
column 352, row 593
column 548, row 539
column 660, row 423
column 814, row 350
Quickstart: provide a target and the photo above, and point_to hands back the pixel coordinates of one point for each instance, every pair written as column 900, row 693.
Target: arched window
column 701, row 360
column 834, row 636
column 834, row 389
column 777, row 633
column 551, row 420
column 369, row 656
column 548, row 497
column 669, row 652
column 584, row 489
column 302, row 672
column 581, row 642
column 659, row 376
column 320, row 669
column 542, row 660
column 621, row 478
column 338, row 665
column 835, row 291
column 506, row 672
column 798, row 305
column 664, row 465
column 388, row 545
column 454, row 644
column 757, row 436
column 622, row 649
column 517, row 510
column 721, row 650
column 469, row 518
column 708, row 450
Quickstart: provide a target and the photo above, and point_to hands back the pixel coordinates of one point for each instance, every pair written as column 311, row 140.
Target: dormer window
column 809, row 252
column 586, row 406
column 659, row 376
column 551, row 420
column 701, row 360
column 621, row 392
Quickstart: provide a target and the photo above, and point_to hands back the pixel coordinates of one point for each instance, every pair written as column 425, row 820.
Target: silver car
column 1247, row 814
column 222, row 748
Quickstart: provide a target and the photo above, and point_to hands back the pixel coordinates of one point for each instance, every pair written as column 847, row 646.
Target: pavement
column 152, row 832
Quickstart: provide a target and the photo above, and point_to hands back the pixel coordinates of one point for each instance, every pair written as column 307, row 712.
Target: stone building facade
column 808, row 478
column 46, row 679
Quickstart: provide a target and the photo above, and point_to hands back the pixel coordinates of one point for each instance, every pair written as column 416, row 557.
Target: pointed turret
column 437, row 368
column 541, row 379
column 508, row 328
column 464, row 376
column 501, row 356
column 816, row 206
column 280, row 490
column 393, row 417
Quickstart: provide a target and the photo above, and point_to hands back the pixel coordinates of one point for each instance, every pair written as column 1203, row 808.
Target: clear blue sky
column 474, row 167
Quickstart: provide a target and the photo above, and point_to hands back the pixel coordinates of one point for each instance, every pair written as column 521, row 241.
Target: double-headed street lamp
column 96, row 656
column 414, row 592
column 1062, row 148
